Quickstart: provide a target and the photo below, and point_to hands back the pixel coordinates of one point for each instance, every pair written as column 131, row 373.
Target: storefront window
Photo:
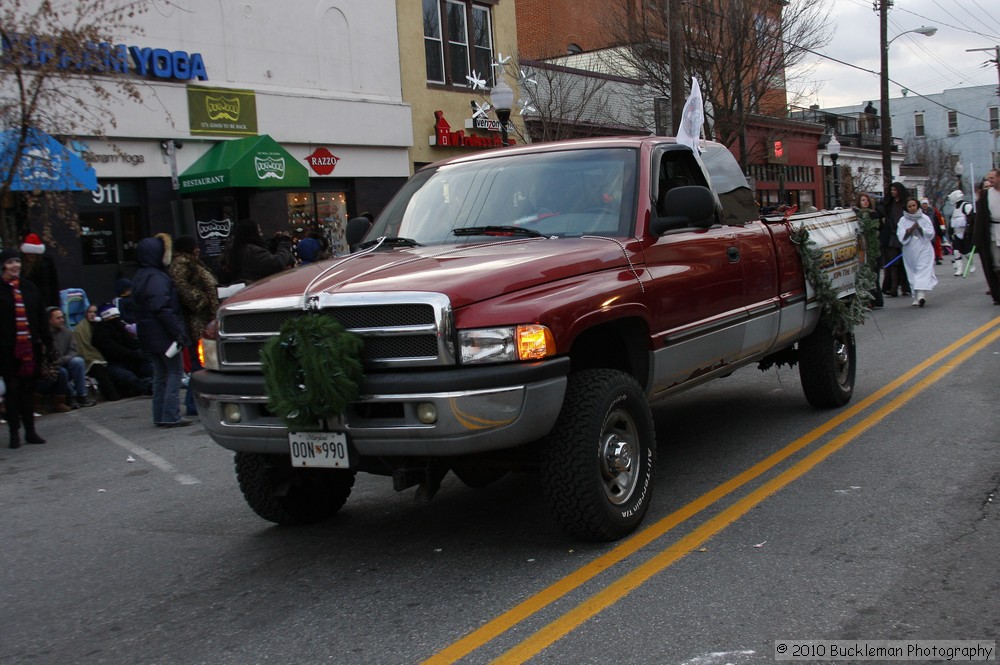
column 324, row 213
column 214, row 217
column 98, row 238
column 110, row 220
column 130, row 222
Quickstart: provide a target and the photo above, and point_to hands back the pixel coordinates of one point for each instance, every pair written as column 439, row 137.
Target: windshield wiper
column 390, row 242
column 497, row 231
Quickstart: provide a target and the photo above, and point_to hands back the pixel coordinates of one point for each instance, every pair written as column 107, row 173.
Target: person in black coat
column 160, row 327
column 895, row 280
column 40, row 268
column 247, row 257
column 20, row 354
column 985, row 231
column 128, row 366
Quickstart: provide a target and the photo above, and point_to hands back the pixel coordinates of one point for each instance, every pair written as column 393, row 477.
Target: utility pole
column 996, row 61
column 675, row 37
column 882, row 6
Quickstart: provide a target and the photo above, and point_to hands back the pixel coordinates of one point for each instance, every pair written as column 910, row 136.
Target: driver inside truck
column 548, row 194
column 674, row 172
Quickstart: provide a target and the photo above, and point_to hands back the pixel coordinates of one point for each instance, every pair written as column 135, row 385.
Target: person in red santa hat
column 40, row 268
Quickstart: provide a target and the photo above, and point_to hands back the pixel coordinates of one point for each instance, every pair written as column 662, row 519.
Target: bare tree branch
column 568, row 102
column 740, row 51
column 54, row 77
column 934, row 156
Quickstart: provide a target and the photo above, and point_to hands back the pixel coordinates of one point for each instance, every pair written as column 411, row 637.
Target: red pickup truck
column 520, row 309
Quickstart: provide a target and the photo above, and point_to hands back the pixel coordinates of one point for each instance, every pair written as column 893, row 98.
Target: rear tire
column 285, row 495
column 598, row 464
column 827, row 365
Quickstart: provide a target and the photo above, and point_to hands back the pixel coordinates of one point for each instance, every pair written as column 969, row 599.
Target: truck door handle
column 733, row 253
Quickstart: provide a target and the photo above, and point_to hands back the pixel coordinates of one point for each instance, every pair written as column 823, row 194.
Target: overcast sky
column 925, row 65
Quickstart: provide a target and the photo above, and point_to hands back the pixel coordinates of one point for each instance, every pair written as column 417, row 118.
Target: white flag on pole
column 693, row 117
column 972, row 181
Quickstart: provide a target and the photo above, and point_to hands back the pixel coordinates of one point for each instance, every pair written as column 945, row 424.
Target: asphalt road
column 124, row 543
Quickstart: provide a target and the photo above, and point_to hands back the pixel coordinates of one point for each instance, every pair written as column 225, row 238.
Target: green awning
column 254, row 161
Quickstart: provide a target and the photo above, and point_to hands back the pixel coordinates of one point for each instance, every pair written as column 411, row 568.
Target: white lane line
column 151, row 457
column 720, row 658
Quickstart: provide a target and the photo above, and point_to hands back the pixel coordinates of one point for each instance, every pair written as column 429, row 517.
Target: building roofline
column 542, row 64
column 788, row 123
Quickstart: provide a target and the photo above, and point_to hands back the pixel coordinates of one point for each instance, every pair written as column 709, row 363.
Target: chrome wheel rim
column 619, row 457
column 841, row 359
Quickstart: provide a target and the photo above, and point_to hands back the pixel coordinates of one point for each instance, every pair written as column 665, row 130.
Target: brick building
column 576, row 31
column 551, row 28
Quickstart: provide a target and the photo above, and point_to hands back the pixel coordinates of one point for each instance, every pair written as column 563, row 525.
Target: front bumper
column 478, row 409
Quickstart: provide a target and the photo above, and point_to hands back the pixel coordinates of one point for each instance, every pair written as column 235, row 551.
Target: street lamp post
column 503, row 100
column 833, row 148
column 959, row 170
column 884, row 92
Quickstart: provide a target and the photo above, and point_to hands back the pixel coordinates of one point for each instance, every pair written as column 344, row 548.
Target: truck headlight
column 208, row 347
column 496, row 345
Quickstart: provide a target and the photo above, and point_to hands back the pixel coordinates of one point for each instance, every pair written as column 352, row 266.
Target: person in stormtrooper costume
column 960, row 231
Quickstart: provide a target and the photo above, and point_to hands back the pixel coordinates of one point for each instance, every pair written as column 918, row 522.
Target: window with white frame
column 458, row 38
column 994, row 118
column 918, row 124
column 953, row 122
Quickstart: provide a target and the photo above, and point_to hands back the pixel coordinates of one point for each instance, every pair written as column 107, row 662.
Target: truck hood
column 465, row 273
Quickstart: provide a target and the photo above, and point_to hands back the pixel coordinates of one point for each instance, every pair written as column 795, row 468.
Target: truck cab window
column 738, row 205
column 678, row 168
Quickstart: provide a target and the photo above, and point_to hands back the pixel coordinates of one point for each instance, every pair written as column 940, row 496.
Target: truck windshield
column 558, row 194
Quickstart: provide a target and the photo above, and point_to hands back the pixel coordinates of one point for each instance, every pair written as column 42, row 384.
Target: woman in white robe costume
column 916, row 232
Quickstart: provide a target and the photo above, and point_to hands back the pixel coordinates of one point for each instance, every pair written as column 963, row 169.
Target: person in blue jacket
column 160, row 327
column 123, row 301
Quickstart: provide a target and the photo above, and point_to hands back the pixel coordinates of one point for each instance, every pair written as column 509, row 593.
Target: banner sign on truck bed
column 836, row 236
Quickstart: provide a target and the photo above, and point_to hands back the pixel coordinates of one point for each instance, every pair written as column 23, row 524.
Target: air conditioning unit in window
column 953, row 130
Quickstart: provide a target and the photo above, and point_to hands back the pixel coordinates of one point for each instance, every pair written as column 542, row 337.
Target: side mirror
column 688, row 206
column 356, row 230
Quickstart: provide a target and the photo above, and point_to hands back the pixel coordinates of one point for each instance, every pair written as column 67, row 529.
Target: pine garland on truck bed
column 841, row 315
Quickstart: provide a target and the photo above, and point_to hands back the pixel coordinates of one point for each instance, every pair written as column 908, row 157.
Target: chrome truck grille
column 398, row 329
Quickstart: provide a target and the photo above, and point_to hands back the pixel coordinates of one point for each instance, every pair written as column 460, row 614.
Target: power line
column 948, row 25
column 874, row 73
column 928, row 56
column 982, row 12
column 920, row 49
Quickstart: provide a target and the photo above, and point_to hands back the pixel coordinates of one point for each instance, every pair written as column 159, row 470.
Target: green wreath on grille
column 312, row 370
column 838, row 315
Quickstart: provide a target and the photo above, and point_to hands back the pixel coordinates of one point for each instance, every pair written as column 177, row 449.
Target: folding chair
column 74, row 304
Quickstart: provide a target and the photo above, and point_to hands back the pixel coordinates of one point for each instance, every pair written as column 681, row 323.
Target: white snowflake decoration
column 526, row 106
column 480, row 110
column 477, row 82
column 501, row 61
column 526, row 80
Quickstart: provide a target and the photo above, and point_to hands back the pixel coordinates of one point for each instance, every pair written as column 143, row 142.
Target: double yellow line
column 630, row 581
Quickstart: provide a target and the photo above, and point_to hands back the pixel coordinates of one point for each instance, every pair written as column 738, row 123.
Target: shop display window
column 215, row 217
column 322, row 212
column 98, row 237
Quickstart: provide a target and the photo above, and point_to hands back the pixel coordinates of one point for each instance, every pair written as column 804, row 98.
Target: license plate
column 319, row 449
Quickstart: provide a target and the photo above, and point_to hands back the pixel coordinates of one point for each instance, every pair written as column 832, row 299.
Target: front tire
column 598, row 464
column 827, row 365
column 285, row 495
